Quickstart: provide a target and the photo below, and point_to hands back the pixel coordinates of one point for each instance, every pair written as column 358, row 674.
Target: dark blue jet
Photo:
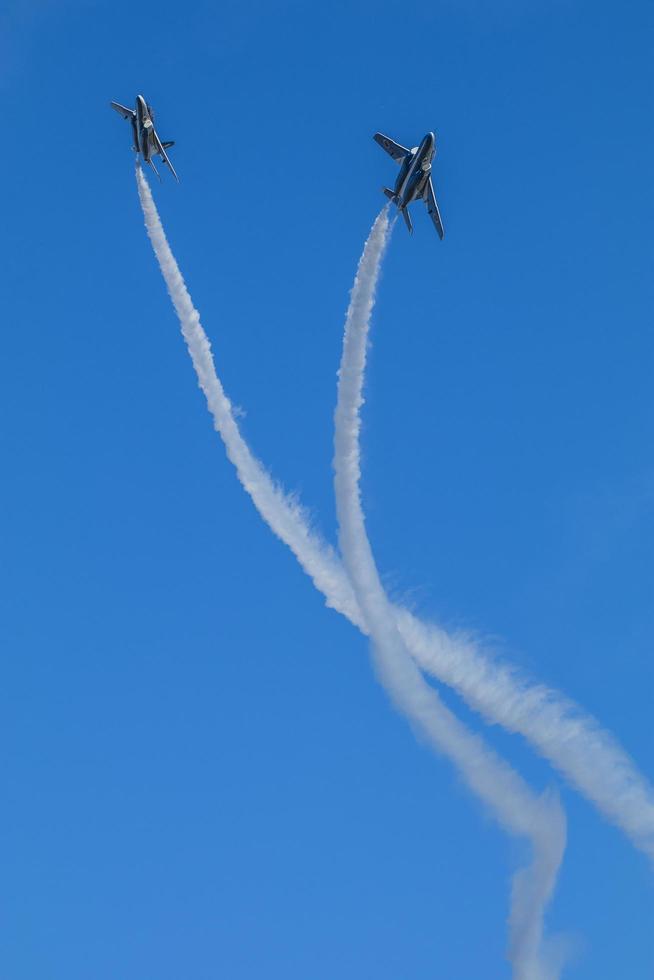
column 414, row 179
column 146, row 140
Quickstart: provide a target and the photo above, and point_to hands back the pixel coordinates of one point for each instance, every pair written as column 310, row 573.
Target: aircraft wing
column 432, row 207
column 161, row 150
column 393, row 149
column 123, row 110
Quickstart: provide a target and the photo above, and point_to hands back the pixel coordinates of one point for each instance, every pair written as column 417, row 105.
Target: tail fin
column 151, row 162
column 389, row 193
column 407, row 218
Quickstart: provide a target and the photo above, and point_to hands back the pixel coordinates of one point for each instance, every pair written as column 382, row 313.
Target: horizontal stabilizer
column 389, row 193
column 167, row 143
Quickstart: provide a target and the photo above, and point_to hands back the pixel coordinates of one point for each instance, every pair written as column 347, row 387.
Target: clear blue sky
column 201, row 777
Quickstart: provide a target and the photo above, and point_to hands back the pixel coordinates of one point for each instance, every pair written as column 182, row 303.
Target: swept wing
column 430, row 200
column 123, row 110
column 395, row 150
column 161, row 150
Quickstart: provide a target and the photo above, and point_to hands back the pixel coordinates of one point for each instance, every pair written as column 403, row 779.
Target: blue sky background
column 201, row 776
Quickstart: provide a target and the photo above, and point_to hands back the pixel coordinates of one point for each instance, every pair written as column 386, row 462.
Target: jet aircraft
column 414, row 181
column 146, row 140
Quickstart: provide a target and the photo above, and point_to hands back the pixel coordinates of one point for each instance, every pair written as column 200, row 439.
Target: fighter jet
column 146, row 140
column 414, row 179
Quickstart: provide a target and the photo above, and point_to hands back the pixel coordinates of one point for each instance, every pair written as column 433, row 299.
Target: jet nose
column 427, row 145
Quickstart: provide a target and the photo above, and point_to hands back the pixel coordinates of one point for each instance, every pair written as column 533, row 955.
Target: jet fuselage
column 145, row 139
column 414, row 181
column 414, row 172
column 143, row 125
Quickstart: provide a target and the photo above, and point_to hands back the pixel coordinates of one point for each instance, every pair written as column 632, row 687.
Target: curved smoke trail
column 507, row 796
column 571, row 740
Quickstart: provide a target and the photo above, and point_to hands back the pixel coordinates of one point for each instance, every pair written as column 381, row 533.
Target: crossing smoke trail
column 515, row 807
column 571, row 740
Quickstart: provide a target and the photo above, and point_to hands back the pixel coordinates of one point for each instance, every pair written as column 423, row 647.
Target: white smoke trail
column 537, row 819
column 507, row 796
column 588, row 756
column 571, row 740
column 284, row 516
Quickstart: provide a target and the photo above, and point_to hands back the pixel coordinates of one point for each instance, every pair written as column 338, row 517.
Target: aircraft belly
column 147, row 142
column 412, row 190
column 406, row 191
column 419, row 187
